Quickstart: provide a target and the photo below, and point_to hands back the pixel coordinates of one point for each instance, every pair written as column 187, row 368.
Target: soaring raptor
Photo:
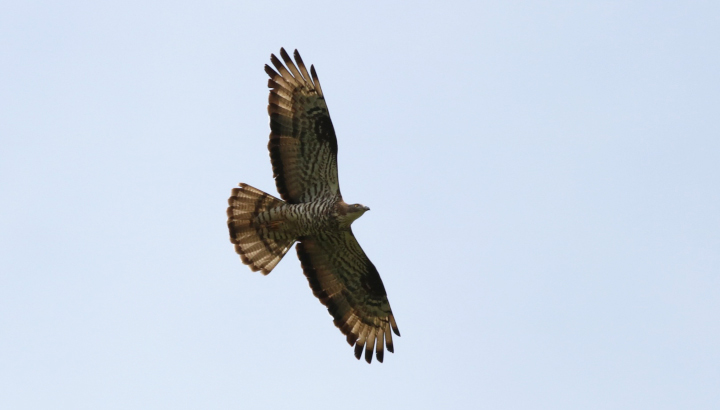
column 303, row 151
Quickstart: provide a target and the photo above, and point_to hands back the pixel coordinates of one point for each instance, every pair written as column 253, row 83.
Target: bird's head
column 348, row 213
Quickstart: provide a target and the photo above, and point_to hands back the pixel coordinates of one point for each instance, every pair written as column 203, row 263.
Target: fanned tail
column 259, row 244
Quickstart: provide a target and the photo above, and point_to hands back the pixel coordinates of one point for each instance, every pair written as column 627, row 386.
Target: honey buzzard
column 303, row 151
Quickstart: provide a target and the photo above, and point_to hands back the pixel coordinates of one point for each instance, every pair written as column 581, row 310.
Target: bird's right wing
column 303, row 146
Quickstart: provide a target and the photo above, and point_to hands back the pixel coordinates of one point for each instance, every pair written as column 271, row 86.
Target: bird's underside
column 303, row 152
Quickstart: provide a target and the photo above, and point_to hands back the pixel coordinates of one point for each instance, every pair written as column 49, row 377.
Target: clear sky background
column 544, row 181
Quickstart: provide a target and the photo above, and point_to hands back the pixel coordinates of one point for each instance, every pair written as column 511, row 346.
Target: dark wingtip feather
column 358, row 350
column 394, row 325
column 301, row 66
column 291, row 66
column 380, row 355
column 369, row 346
column 275, row 61
column 284, row 54
column 314, row 75
column 390, row 348
column 272, row 73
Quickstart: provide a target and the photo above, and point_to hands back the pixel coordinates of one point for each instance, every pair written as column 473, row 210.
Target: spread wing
column 303, row 146
column 344, row 279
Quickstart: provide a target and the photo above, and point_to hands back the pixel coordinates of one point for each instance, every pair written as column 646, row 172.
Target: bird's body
column 298, row 220
column 303, row 152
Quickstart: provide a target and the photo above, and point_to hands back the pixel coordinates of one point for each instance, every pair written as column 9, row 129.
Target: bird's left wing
column 344, row 279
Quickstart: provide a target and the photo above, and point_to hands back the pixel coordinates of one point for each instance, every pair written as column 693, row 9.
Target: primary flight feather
column 303, row 152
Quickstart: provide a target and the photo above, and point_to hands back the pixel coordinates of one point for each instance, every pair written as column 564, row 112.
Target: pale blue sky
column 543, row 178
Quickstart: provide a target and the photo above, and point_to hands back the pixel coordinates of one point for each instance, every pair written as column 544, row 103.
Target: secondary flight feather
column 303, row 152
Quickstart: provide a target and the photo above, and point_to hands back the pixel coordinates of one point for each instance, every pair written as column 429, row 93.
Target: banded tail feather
column 256, row 240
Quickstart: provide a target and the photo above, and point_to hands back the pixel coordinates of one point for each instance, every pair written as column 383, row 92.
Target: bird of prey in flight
column 303, row 151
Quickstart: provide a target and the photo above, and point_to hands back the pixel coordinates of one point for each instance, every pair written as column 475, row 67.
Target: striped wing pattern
column 303, row 146
column 344, row 279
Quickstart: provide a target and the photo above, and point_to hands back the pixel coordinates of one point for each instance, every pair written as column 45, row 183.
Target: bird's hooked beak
column 366, row 208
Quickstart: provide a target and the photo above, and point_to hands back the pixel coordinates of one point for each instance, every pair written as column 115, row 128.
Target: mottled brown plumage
column 303, row 152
